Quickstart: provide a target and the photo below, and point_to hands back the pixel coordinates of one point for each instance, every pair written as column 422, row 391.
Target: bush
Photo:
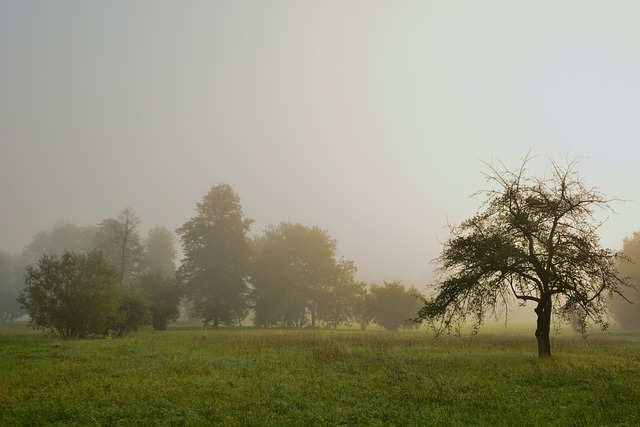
column 74, row 295
column 164, row 298
column 133, row 312
column 393, row 306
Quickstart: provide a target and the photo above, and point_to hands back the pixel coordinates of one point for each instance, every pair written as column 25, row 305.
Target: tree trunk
column 543, row 324
column 123, row 331
column 216, row 323
column 313, row 318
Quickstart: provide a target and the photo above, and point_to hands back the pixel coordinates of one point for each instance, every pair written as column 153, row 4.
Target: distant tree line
column 106, row 279
column 100, row 279
column 288, row 277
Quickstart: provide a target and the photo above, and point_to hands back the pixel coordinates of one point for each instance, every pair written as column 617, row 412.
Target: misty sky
column 369, row 119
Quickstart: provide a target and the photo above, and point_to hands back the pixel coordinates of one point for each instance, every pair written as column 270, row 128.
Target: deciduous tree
column 339, row 298
column 363, row 306
column 628, row 315
column 119, row 240
column 160, row 251
column 134, row 311
column 75, row 295
column 10, row 286
column 294, row 271
column 393, row 306
column 164, row 298
column 62, row 237
column 217, row 253
column 535, row 240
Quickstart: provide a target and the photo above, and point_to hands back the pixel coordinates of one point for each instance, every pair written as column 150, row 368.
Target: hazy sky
column 369, row 119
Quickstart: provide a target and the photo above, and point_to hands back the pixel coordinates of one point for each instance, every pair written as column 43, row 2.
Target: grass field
column 306, row 378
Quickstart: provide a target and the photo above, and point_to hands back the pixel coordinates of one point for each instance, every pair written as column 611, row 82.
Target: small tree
column 74, row 295
column 164, row 298
column 393, row 306
column 363, row 306
column 535, row 241
column 133, row 312
column 340, row 297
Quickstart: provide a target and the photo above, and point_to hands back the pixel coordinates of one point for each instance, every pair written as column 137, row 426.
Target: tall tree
column 535, row 241
column 119, row 240
column 160, row 251
column 217, row 253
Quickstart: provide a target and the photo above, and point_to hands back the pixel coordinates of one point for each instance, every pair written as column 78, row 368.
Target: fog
column 369, row 119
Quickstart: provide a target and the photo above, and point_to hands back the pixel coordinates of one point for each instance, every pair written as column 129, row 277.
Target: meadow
column 245, row 377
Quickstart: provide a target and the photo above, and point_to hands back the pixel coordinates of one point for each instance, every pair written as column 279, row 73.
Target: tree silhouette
column 535, row 240
column 217, row 253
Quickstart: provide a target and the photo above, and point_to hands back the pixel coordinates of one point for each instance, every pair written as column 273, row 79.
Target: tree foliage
column 75, row 295
column 338, row 302
column 363, row 306
column 163, row 295
column 628, row 315
column 297, row 280
column 61, row 238
column 534, row 241
column 133, row 312
column 160, row 251
column 393, row 306
column 119, row 240
column 217, row 253
column 10, row 285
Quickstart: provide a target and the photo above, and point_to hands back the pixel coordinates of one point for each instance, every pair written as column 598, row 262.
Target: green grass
column 305, row 378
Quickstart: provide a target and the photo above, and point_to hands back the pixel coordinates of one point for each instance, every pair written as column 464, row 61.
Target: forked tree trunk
column 543, row 326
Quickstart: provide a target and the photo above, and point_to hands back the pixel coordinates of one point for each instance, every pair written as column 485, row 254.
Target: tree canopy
column 217, row 253
column 62, row 237
column 10, row 285
column 393, row 306
column 628, row 315
column 160, row 251
column 163, row 296
column 75, row 295
column 297, row 280
column 534, row 240
column 119, row 240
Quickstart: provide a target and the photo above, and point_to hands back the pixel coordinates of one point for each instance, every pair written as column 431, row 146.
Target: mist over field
column 297, row 212
column 368, row 119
